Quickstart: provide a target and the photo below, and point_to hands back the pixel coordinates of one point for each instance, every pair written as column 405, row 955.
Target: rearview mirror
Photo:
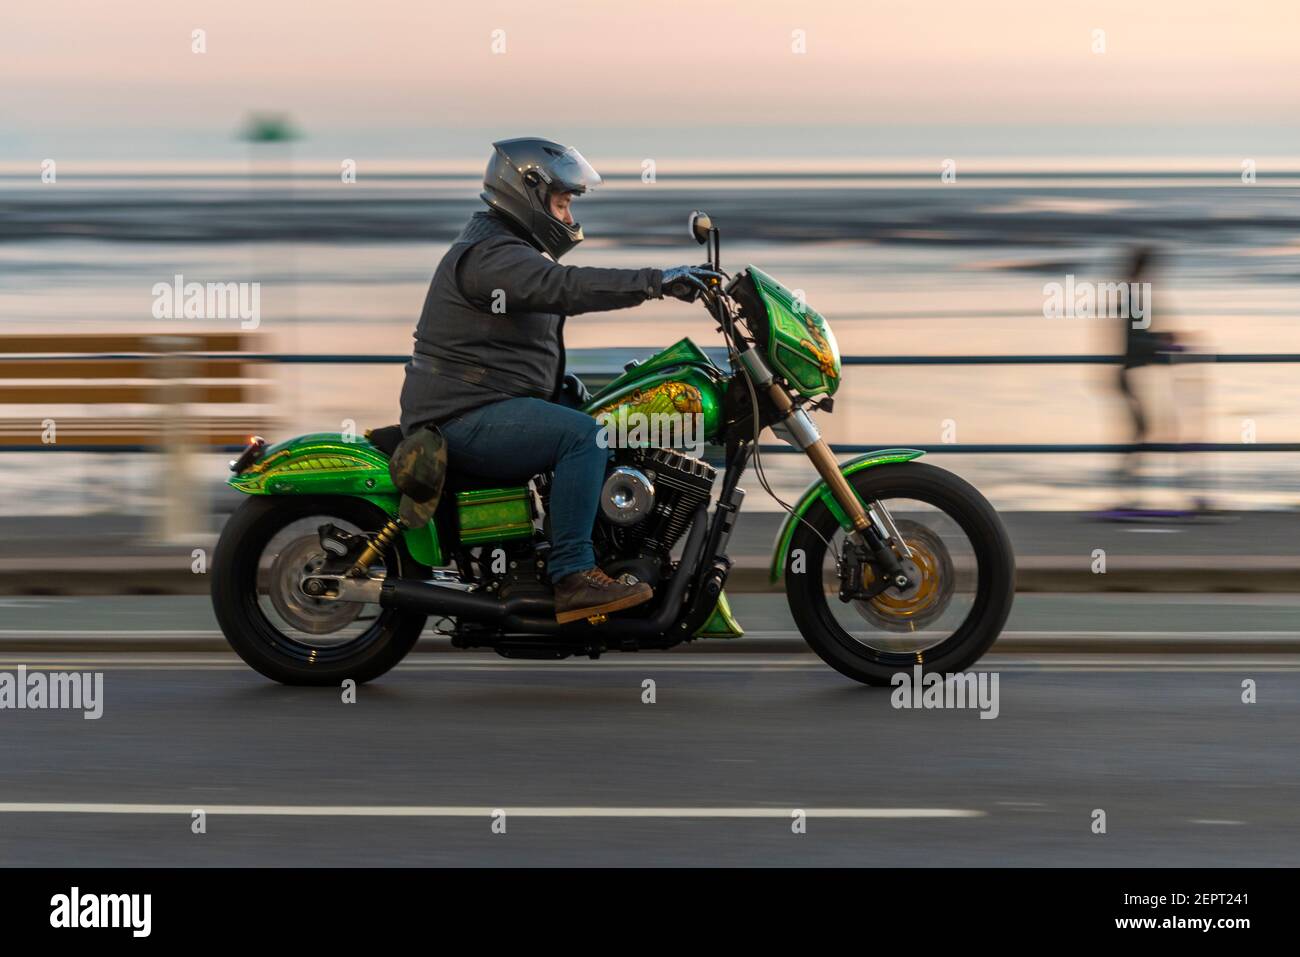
column 700, row 224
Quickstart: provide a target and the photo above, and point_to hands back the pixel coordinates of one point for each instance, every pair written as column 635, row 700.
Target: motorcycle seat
column 385, row 439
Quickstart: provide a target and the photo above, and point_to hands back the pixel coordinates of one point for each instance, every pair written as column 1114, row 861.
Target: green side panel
column 801, row 347
column 495, row 514
column 677, row 394
column 424, row 546
column 721, row 623
column 324, row 463
column 819, row 490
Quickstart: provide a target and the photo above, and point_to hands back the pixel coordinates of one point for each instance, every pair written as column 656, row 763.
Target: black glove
column 687, row 282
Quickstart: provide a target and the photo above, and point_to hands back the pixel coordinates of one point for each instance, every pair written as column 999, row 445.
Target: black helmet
column 522, row 173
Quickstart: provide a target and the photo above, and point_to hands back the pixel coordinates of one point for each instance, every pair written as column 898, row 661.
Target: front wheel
column 962, row 567
column 266, row 548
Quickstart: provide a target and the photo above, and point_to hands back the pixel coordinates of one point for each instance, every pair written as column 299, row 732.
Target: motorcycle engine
column 646, row 503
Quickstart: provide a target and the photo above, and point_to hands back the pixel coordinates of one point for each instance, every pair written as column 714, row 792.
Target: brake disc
column 933, row 583
column 315, row 616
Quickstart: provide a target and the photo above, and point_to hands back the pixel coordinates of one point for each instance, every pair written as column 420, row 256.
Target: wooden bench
column 72, row 379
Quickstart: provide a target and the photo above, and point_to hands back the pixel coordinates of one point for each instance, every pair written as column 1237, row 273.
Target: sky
column 426, row 78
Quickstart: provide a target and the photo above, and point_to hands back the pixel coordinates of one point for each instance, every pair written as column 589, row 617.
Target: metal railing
column 576, row 363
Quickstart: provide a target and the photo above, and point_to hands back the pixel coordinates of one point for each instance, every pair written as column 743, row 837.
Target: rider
column 488, row 363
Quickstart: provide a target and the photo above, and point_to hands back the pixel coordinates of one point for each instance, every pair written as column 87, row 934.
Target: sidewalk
column 1055, row 552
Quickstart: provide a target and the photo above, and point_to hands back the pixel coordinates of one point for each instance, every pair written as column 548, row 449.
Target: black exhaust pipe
column 443, row 600
column 537, row 615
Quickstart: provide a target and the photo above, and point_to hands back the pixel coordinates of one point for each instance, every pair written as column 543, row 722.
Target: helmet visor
column 571, row 173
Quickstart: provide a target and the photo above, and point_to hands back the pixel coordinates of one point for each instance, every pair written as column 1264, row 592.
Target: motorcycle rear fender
column 819, row 491
column 325, row 463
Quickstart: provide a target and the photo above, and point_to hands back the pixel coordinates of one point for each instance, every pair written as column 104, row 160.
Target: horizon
column 877, row 147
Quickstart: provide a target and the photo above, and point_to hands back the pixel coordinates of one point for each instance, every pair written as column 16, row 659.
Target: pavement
column 1055, row 552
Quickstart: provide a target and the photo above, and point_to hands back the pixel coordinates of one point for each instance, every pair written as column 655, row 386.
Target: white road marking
column 1048, row 663
column 1139, row 635
column 169, row 634
column 307, row 810
column 1012, row 632
column 1208, row 820
column 157, row 634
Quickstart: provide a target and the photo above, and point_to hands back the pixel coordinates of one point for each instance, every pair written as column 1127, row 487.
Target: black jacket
column 493, row 321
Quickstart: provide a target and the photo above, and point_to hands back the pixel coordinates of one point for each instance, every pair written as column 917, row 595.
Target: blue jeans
column 515, row 439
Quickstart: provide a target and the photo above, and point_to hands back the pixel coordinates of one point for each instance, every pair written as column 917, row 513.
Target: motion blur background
column 815, row 134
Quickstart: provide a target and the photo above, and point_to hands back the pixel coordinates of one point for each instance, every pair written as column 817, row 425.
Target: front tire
column 328, row 644
column 849, row 636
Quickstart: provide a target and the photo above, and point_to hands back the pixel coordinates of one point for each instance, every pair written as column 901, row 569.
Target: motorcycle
column 332, row 566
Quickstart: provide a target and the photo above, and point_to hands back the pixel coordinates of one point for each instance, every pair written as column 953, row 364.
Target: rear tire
column 268, row 648
column 994, row 589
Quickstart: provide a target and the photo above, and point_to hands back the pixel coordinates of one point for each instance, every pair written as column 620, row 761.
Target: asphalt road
column 760, row 614
column 587, row 773
column 44, row 623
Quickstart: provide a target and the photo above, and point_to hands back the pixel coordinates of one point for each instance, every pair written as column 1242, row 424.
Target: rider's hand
column 687, row 282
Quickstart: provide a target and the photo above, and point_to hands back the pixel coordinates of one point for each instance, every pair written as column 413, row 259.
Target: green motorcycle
column 332, row 567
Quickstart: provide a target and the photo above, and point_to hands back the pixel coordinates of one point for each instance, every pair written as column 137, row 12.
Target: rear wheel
column 962, row 570
column 266, row 548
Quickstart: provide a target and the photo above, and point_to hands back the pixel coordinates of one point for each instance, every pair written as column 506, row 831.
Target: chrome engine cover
column 627, row 496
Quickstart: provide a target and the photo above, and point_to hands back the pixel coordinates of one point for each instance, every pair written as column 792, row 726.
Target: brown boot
column 591, row 593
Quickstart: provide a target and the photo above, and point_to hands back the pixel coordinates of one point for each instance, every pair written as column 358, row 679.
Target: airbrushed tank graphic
column 675, row 395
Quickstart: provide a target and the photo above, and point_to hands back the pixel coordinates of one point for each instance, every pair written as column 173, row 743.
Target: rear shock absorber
column 376, row 547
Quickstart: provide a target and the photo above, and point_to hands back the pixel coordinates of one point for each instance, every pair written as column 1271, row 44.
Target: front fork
column 873, row 527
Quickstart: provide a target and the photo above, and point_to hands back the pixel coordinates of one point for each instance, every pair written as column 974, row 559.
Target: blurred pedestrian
column 1144, row 345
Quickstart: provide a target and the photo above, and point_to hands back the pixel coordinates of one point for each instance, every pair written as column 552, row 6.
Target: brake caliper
column 860, row 580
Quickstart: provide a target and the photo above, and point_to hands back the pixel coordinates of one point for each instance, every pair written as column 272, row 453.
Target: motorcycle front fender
column 819, row 491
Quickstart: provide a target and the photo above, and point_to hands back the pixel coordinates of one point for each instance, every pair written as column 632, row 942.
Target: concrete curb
column 1093, row 643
